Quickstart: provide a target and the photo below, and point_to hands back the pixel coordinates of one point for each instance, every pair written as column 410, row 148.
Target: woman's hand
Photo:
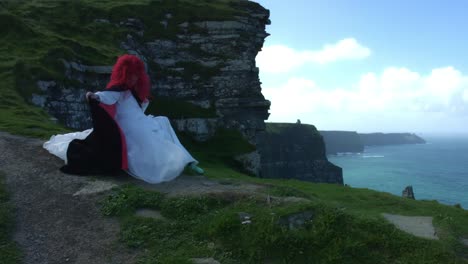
column 92, row 96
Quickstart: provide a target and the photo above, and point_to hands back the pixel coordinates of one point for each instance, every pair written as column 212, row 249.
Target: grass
column 210, row 226
column 451, row 222
column 38, row 36
column 312, row 143
column 361, row 202
column 18, row 117
column 277, row 128
column 219, row 150
column 9, row 251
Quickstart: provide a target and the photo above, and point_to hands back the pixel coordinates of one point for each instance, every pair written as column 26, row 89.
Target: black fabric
column 117, row 88
column 101, row 151
column 136, row 97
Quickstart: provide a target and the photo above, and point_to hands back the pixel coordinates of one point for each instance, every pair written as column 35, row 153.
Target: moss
column 9, row 251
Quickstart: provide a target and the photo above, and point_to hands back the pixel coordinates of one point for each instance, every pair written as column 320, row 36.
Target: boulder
column 408, row 192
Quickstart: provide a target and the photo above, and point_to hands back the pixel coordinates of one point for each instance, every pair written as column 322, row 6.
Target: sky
column 366, row 65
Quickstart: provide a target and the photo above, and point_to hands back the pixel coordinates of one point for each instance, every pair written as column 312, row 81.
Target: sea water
column 437, row 170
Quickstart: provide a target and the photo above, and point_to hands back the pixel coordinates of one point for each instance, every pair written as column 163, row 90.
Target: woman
column 123, row 137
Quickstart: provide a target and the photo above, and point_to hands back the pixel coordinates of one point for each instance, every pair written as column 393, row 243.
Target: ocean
column 437, row 170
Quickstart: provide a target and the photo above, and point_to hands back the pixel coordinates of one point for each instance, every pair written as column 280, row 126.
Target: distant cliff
column 296, row 151
column 342, row 141
column 379, row 139
column 350, row 141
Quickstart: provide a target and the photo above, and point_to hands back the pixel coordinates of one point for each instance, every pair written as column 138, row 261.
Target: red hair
column 124, row 68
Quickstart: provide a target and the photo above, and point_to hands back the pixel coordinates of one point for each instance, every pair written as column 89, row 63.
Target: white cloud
column 295, row 97
column 465, row 96
column 346, row 49
column 280, row 58
column 398, row 92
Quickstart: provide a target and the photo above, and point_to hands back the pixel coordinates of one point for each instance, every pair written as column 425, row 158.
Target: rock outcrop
column 209, row 63
column 353, row 142
column 379, row 139
column 408, row 192
column 204, row 62
column 296, row 151
column 342, row 142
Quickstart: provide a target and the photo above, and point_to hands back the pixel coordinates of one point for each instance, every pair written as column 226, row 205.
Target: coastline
column 435, row 169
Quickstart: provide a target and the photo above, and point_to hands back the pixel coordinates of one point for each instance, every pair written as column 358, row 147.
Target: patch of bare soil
column 420, row 226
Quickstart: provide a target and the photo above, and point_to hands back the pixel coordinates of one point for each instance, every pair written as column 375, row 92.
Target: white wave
column 372, row 156
column 346, row 153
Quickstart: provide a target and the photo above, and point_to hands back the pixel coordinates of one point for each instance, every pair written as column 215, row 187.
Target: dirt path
column 420, row 226
column 57, row 215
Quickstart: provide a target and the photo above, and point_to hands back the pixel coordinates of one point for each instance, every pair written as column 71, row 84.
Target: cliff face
column 349, row 141
column 342, row 141
column 200, row 56
column 210, row 64
column 296, row 151
column 379, row 139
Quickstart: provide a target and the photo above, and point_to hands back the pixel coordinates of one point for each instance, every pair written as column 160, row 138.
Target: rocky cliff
column 200, row 56
column 350, row 141
column 296, row 151
column 379, row 139
column 342, row 141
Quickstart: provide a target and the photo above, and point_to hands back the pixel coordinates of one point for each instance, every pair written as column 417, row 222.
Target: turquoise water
column 437, row 170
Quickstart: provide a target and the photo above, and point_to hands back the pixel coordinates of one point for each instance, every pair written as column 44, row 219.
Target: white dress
column 154, row 152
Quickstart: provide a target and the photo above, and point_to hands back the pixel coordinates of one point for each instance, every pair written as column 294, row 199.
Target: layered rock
column 408, row 192
column 352, row 142
column 342, row 142
column 65, row 101
column 296, row 151
column 380, row 139
column 210, row 64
